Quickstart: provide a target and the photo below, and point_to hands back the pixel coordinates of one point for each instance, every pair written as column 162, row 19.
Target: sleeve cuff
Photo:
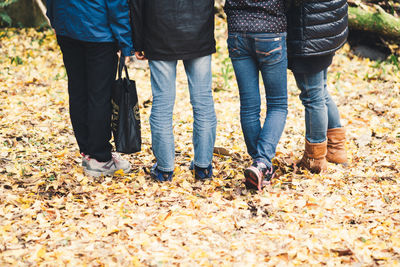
column 127, row 52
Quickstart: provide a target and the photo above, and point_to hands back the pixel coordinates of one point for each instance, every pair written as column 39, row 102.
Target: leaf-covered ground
column 52, row 214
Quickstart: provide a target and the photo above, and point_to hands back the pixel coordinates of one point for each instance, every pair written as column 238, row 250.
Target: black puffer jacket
column 173, row 29
column 316, row 28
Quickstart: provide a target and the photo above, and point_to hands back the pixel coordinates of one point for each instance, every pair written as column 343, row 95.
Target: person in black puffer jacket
column 166, row 31
column 316, row 30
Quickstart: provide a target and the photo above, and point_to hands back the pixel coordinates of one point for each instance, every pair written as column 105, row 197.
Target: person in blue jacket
column 90, row 33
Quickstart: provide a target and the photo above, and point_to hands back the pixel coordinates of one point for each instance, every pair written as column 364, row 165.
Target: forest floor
column 51, row 214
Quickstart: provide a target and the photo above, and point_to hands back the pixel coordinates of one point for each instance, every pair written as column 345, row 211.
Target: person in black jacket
column 257, row 44
column 165, row 31
column 316, row 29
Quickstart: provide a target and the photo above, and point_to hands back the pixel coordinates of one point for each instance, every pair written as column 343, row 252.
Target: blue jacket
column 93, row 21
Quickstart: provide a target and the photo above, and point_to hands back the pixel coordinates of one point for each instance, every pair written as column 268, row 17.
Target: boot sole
column 97, row 174
column 344, row 164
column 304, row 166
column 252, row 178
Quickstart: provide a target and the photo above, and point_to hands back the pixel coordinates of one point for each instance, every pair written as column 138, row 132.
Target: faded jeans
column 163, row 82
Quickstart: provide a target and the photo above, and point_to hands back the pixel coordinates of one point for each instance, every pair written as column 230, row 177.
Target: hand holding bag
column 125, row 121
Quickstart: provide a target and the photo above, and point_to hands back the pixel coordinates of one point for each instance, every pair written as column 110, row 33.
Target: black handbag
column 125, row 120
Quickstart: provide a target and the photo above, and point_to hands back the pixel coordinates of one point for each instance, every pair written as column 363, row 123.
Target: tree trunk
column 377, row 21
column 26, row 13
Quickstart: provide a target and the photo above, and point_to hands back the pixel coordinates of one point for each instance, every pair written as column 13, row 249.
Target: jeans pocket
column 270, row 50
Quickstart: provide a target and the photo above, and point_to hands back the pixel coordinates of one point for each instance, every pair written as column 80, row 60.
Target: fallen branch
column 43, row 10
column 377, row 21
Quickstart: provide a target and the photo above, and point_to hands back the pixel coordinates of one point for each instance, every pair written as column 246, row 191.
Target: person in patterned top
column 256, row 16
column 257, row 44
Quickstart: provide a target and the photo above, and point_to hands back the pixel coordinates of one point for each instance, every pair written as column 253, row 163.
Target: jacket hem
column 180, row 56
column 322, row 53
column 88, row 39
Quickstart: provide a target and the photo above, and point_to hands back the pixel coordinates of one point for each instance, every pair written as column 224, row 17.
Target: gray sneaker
column 96, row 169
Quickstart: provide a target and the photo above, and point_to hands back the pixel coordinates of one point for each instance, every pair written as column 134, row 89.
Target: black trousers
column 91, row 69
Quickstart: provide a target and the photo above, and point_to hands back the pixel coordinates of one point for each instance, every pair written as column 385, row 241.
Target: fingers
column 140, row 55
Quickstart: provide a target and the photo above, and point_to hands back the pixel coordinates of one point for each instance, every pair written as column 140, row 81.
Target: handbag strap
column 121, row 66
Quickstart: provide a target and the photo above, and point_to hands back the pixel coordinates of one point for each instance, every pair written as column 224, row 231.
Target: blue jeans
column 321, row 112
column 252, row 53
column 163, row 80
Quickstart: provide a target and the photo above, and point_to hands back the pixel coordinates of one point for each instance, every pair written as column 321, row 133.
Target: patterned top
column 267, row 16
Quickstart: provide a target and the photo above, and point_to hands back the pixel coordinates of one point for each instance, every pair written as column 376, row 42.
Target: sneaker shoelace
column 115, row 156
column 108, row 165
column 267, row 174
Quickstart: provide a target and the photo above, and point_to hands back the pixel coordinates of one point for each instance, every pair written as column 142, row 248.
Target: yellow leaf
column 135, row 261
column 120, row 172
column 41, row 252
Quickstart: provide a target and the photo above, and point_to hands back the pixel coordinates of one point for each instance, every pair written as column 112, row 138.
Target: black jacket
column 316, row 27
column 173, row 29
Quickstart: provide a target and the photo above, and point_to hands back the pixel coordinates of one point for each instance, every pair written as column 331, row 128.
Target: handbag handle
column 121, row 66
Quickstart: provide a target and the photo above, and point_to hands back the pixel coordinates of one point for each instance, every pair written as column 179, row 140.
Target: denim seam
column 309, row 113
column 235, row 48
column 202, row 165
column 269, row 52
column 309, row 116
column 271, row 39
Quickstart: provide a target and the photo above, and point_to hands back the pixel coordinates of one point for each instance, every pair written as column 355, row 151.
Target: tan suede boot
column 336, row 146
column 314, row 157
